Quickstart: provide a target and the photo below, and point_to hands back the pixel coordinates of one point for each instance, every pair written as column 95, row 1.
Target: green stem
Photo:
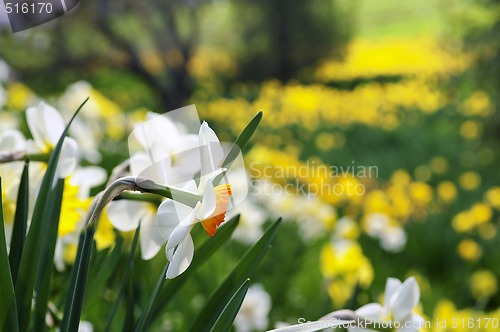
column 41, row 157
column 131, row 183
column 13, row 156
column 142, row 197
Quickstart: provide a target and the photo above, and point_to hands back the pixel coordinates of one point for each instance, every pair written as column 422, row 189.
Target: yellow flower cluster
column 480, row 214
column 478, row 104
column 447, row 318
column 345, row 267
column 284, row 166
column 478, row 218
column 401, row 199
column 374, row 104
column 423, row 57
column 483, row 284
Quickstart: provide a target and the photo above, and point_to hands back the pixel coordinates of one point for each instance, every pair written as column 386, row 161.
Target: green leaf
column 217, row 302
column 104, row 271
column 144, row 320
column 206, row 250
column 242, row 139
column 247, row 133
column 8, row 310
column 46, row 260
column 78, row 281
column 124, row 280
column 34, row 241
column 226, row 318
column 20, row 223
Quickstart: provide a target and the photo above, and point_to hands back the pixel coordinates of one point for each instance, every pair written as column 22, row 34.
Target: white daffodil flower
column 177, row 219
column 159, row 149
column 400, row 299
column 126, row 215
column 46, row 126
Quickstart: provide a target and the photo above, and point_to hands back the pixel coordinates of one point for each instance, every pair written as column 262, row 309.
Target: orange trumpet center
column 222, row 194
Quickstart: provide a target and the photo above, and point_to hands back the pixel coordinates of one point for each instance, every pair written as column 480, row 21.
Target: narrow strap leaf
column 242, row 139
column 42, row 289
column 146, row 315
column 76, row 290
column 8, row 309
column 228, row 315
column 124, row 280
column 20, row 224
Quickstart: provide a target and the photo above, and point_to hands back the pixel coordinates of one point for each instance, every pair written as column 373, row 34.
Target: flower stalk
column 12, row 156
column 130, row 183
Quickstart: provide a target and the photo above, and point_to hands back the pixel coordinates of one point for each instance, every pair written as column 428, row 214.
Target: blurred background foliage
column 410, row 87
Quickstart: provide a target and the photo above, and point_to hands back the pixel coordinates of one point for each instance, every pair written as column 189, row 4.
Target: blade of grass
column 145, row 317
column 226, row 318
column 42, row 289
column 76, row 290
column 125, row 279
column 20, row 223
column 8, row 309
column 242, row 139
column 218, row 300
column 29, row 260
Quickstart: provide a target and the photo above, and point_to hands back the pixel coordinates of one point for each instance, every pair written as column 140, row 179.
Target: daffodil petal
column 413, row 324
column 169, row 216
column 12, row 140
column 186, row 159
column 391, row 287
column 210, row 148
column 312, row 326
column 405, row 299
column 209, row 202
column 372, row 311
column 67, row 159
column 87, row 178
column 45, row 123
column 190, row 186
column 182, row 258
column 180, row 233
column 151, row 237
column 126, row 215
